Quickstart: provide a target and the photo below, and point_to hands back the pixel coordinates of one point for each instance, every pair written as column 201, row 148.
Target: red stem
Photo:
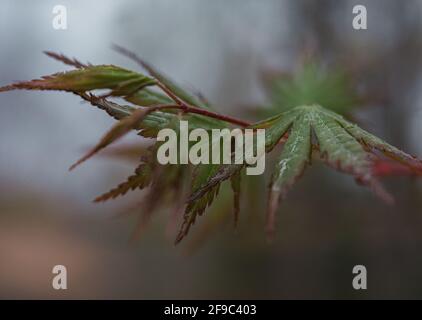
column 182, row 105
column 207, row 113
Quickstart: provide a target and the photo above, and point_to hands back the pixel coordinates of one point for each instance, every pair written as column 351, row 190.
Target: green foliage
column 337, row 142
column 139, row 180
column 291, row 164
column 122, row 82
column 306, row 125
column 148, row 98
column 201, row 175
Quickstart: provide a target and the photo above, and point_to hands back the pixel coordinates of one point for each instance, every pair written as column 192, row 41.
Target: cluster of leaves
column 305, row 128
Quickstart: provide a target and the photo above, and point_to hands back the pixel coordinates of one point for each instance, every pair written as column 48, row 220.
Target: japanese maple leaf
column 306, row 131
column 314, row 130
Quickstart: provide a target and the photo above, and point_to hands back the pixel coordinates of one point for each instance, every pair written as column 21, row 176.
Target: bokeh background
column 326, row 226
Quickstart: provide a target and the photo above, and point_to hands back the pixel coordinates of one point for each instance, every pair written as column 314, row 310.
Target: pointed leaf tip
column 235, row 184
column 7, row 88
column 116, row 132
column 274, row 198
column 120, row 81
column 66, row 60
column 293, row 160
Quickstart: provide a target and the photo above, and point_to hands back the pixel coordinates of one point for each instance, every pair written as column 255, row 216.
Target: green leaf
column 341, row 145
column 275, row 127
column 368, row 139
column 116, row 132
column 147, row 97
column 290, row 166
column 338, row 148
column 141, row 179
column 154, row 122
column 166, row 81
column 304, row 126
column 195, row 207
column 113, row 109
column 121, row 81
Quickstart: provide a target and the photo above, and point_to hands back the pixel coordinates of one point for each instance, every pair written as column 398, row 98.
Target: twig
column 119, row 112
column 105, row 104
column 183, row 105
column 170, row 93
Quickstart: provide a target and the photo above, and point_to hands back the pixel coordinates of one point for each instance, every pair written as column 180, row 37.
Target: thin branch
column 183, row 105
column 133, row 56
column 120, row 112
column 170, row 93
column 107, row 105
column 207, row 113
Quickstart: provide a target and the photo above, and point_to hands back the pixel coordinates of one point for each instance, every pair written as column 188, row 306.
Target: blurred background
column 226, row 49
